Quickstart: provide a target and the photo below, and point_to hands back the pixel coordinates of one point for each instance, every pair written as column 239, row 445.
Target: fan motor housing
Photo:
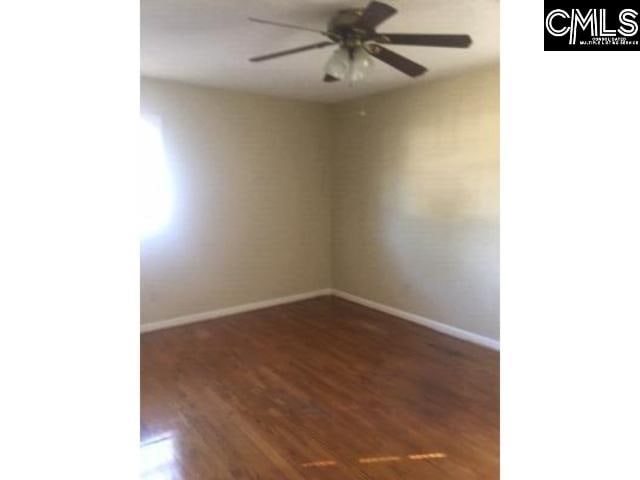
column 342, row 24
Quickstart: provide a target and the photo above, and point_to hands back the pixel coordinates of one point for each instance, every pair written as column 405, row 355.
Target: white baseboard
column 247, row 307
column 426, row 322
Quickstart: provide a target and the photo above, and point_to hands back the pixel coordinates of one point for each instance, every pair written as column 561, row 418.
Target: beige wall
column 415, row 206
column 276, row 197
column 252, row 204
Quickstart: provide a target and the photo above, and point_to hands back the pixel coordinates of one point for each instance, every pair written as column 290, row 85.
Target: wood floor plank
column 319, row 389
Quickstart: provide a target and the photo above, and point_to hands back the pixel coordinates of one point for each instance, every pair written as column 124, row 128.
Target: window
column 155, row 188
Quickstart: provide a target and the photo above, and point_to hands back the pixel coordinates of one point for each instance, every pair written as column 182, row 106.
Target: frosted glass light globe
column 361, row 65
column 338, row 64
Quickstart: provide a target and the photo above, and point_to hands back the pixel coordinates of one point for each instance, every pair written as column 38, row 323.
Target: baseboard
column 412, row 317
column 222, row 312
column 247, row 307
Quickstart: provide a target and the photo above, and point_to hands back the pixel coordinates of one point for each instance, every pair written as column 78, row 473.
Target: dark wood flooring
column 319, row 389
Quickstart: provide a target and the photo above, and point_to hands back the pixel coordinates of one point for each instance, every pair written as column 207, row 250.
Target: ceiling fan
column 354, row 32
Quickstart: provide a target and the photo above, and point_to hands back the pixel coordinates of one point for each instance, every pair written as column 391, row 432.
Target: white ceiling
column 209, row 42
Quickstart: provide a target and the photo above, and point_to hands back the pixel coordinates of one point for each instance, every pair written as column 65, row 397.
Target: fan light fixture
column 353, row 67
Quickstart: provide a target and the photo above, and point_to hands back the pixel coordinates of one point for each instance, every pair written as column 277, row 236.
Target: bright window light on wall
column 155, row 188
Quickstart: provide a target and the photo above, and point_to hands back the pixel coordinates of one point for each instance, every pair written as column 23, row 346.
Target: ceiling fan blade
column 282, row 53
column 330, row 78
column 426, row 40
column 288, row 25
column 397, row 61
column 374, row 14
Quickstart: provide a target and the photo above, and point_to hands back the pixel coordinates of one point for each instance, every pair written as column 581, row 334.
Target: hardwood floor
column 319, row 389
